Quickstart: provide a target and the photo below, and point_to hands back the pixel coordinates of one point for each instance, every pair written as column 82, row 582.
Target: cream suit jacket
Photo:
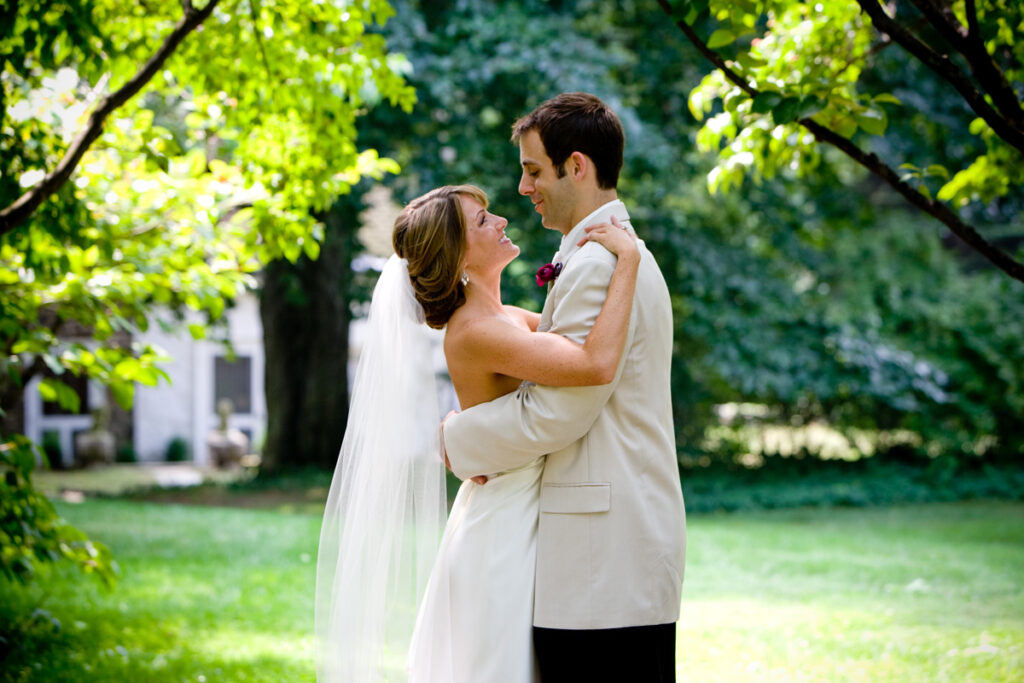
column 611, row 536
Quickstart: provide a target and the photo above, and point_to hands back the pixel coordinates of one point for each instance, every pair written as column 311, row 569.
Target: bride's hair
column 430, row 234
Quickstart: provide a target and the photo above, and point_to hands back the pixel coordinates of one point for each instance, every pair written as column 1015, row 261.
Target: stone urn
column 228, row 446
column 96, row 446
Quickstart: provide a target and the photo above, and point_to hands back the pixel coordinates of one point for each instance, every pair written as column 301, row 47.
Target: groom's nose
column 525, row 184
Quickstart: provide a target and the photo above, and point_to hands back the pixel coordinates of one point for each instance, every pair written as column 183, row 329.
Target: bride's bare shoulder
column 470, row 328
column 462, row 318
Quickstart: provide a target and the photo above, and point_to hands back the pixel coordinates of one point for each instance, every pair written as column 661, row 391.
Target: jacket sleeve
column 535, row 420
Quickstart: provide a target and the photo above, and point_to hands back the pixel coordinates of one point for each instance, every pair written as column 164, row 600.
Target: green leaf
column 388, row 165
column 68, row 399
column 786, row 111
column 124, row 393
column 216, row 306
column 886, row 98
column 697, row 103
column 127, row 368
column 765, row 101
column 24, row 345
column 948, row 191
column 846, row 127
column 721, row 37
column 872, row 121
column 149, row 376
column 809, row 106
column 53, row 363
column 311, row 248
column 53, row 390
column 48, row 391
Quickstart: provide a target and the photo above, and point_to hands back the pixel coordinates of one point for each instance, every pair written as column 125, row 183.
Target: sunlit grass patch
column 923, row 593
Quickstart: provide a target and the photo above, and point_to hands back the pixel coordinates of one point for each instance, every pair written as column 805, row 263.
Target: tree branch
column 968, row 42
column 967, row 233
column 259, row 39
column 972, row 20
column 708, row 53
column 19, row 211
column 942, row 65
column 934, row 208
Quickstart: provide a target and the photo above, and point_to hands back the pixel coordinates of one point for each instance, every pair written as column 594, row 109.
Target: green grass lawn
column 933, row 592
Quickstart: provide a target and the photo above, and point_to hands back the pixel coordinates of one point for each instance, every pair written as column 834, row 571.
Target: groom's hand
column 479, row 479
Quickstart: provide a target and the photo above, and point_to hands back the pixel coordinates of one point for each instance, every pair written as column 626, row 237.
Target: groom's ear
column 578, row 164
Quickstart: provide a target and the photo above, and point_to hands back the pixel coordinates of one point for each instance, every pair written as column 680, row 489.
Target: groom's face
column 553, row 198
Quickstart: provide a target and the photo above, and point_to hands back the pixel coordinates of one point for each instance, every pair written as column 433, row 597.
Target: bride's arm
column 554, row 360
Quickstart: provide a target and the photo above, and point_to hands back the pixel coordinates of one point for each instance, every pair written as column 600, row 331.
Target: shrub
column 177, row 450
column 126, row 453
column 31, row 533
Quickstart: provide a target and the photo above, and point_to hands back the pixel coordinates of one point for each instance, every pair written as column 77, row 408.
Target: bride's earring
column 464, row 279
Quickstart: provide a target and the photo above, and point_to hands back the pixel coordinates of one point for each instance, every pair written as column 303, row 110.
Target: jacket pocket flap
column 576, row 498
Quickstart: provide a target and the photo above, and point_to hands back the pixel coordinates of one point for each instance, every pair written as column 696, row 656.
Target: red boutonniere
column 547, row 273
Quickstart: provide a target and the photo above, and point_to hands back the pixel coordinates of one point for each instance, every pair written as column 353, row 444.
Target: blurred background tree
column 927, row 100
column 156, row 157
column 815, row 297
column 789, row 75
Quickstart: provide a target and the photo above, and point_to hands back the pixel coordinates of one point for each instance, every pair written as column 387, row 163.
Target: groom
column 611, row 533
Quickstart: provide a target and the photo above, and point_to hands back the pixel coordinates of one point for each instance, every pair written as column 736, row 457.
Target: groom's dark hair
column 578, row 122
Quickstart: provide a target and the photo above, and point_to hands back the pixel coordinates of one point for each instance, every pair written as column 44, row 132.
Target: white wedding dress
column 475, row 622
column 391, row 603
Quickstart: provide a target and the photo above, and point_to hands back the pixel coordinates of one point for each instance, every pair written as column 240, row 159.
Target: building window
column 233, row 380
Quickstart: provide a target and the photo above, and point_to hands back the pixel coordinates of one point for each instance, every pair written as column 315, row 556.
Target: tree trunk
column 305, row 311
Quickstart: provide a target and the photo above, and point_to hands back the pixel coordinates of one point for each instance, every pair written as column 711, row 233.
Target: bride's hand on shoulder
column 615, row 237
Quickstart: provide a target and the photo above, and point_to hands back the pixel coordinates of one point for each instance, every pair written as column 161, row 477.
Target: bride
column 378, row 544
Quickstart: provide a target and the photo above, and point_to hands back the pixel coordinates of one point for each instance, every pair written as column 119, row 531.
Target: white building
column 200, row 374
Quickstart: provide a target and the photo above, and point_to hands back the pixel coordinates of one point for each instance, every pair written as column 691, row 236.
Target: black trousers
column 637, row 654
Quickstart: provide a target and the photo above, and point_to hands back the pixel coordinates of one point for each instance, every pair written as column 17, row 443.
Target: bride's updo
column 430, row 234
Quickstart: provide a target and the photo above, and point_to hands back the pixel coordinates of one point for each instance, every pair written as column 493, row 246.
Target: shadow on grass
column 217, row 593
column 80, row 632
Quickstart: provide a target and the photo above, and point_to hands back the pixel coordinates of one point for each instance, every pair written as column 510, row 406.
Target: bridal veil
column 386, row 507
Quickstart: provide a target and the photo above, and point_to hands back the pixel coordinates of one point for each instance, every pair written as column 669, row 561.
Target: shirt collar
column 601, row 214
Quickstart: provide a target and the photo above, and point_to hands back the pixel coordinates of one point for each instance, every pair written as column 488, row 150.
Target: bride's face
column 487, row 246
